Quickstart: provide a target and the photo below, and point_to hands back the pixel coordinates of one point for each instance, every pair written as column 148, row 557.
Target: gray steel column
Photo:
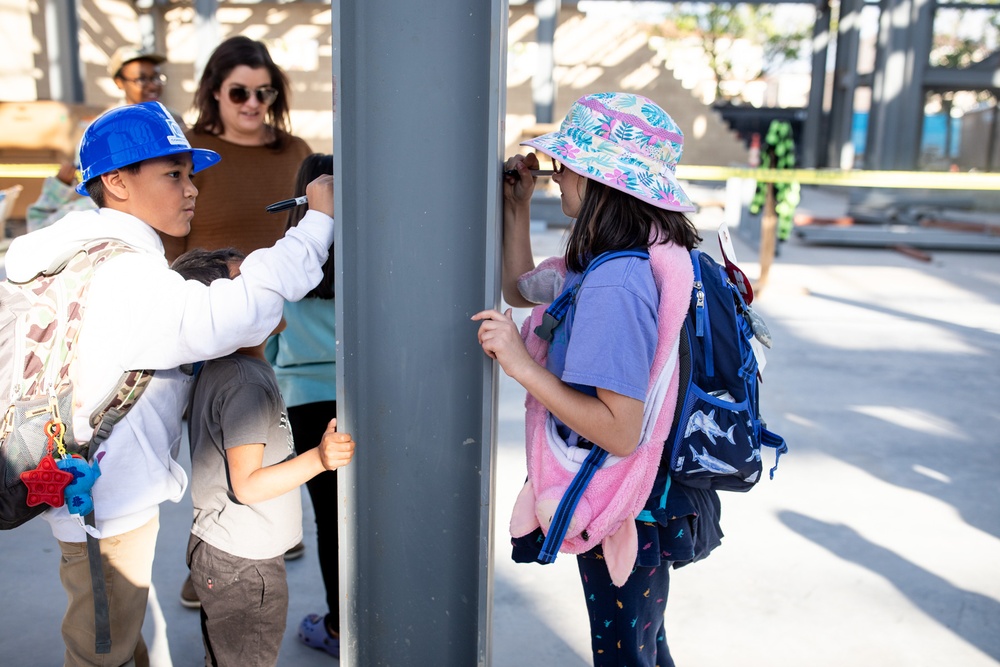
column 418, row 136
column 207, row 29
column 813, row 143
column 62, row 46
column 895, row 121
column 147, row 25
column 845, row 82
column 543, row 83
column 921, row 40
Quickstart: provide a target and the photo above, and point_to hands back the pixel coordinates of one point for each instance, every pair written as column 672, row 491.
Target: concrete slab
column 877, row 542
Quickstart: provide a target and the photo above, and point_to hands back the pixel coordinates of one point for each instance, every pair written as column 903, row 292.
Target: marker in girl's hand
column 286, row 204
column 534, row 172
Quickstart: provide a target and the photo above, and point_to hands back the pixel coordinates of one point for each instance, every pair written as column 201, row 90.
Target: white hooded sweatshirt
column 142, row 315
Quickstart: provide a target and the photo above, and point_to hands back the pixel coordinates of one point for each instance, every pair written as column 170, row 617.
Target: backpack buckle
column 547, row 327
column 106, row 425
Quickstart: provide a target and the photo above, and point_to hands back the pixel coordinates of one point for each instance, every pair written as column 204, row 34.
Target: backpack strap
column 772, row 439
column 102, row 612
column 567, row 504
column 683, row 387
column 119, row 401
column 702, row 326
column 557, row 310
column 553, row 317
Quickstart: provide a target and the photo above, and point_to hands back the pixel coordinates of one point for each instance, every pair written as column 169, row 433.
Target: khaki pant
column 244, row 605
column 128, row 566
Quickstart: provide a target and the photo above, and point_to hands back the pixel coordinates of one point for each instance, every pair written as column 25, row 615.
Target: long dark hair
column 311, row 168
column 609, row 219
column 229, row 55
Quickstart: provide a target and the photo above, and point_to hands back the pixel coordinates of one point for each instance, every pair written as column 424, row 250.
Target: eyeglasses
column 557, row 167
column 266, row 95
column 143, row 81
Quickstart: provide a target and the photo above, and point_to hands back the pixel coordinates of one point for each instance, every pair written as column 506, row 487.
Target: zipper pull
column 699, row 308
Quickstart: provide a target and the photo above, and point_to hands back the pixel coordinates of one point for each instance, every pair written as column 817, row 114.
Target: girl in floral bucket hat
column 600, row 368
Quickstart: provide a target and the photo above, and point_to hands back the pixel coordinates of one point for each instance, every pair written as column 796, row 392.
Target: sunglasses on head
column 266, row 95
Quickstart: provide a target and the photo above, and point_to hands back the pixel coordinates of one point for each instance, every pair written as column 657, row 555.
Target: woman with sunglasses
column 243, row 114
column 594, row 370
column 242, row 103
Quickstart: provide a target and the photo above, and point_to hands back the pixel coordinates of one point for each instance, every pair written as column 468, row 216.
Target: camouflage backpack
column 40, row 323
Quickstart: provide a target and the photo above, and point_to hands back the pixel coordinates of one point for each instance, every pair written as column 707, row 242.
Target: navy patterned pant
column 626, row 624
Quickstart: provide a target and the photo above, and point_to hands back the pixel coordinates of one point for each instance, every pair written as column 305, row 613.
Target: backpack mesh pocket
column 25, row 446
column 714, row 444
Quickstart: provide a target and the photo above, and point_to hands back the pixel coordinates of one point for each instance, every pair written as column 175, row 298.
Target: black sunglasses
column 266, row 95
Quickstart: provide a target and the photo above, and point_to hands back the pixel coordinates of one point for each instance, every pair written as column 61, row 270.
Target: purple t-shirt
column 608, row 339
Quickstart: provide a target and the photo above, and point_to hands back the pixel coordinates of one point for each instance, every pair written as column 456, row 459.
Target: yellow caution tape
column 931, row 180
column 28, row 170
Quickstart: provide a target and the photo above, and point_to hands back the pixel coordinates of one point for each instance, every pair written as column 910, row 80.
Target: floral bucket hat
column 626, row 142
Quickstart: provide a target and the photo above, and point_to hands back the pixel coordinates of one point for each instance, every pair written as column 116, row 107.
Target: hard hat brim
column 201, row 158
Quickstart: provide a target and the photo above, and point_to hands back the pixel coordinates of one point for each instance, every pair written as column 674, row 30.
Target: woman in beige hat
column 137, row 73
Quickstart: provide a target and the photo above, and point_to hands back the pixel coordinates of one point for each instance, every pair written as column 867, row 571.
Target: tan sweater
column 233, row 193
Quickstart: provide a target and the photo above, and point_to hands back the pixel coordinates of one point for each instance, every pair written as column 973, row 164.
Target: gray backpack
column 39, row 326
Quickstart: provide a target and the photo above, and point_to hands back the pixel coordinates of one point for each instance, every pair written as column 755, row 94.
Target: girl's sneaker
column 312, row 632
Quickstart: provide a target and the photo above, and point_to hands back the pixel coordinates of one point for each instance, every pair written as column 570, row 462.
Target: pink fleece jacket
column 618, row 491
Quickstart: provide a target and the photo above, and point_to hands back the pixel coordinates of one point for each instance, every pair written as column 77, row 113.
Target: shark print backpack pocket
column 716, row 442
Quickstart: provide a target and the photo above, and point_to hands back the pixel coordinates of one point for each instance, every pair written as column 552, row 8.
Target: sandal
column 312, row 633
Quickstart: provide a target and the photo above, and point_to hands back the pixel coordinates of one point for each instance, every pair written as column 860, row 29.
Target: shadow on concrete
column 518, row 626
column 916, row 419
column 975, row 335
column 979, row 623
column 890, row 368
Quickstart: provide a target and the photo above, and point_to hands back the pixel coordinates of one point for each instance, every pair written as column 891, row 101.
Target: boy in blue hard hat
column 137, row 168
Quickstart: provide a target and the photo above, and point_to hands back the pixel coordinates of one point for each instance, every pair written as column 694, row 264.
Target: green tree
column 720, row 25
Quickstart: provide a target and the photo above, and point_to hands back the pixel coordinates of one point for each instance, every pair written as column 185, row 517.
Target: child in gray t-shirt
column 244, row 487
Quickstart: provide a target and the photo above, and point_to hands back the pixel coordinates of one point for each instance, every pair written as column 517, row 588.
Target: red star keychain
column 47, row 483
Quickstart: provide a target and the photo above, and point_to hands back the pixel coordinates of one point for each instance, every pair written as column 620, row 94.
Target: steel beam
column 884, row 236
column 420, row 93
column 207, row 28
column 895, row 121
column 543, row 83
column 845, row 83
column 62, row 44
column 814, row 144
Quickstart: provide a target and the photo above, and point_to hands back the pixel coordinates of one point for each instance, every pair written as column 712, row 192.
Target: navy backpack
column 718, row 432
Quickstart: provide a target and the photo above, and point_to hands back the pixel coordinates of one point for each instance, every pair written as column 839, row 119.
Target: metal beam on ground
column 420, row 94
column 885, row 236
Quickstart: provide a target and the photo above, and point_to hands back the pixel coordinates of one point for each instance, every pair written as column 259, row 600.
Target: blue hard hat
column 129, row 134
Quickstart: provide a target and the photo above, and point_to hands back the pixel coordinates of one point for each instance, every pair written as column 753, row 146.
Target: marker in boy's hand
column 320, row 194
column 335, row 449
